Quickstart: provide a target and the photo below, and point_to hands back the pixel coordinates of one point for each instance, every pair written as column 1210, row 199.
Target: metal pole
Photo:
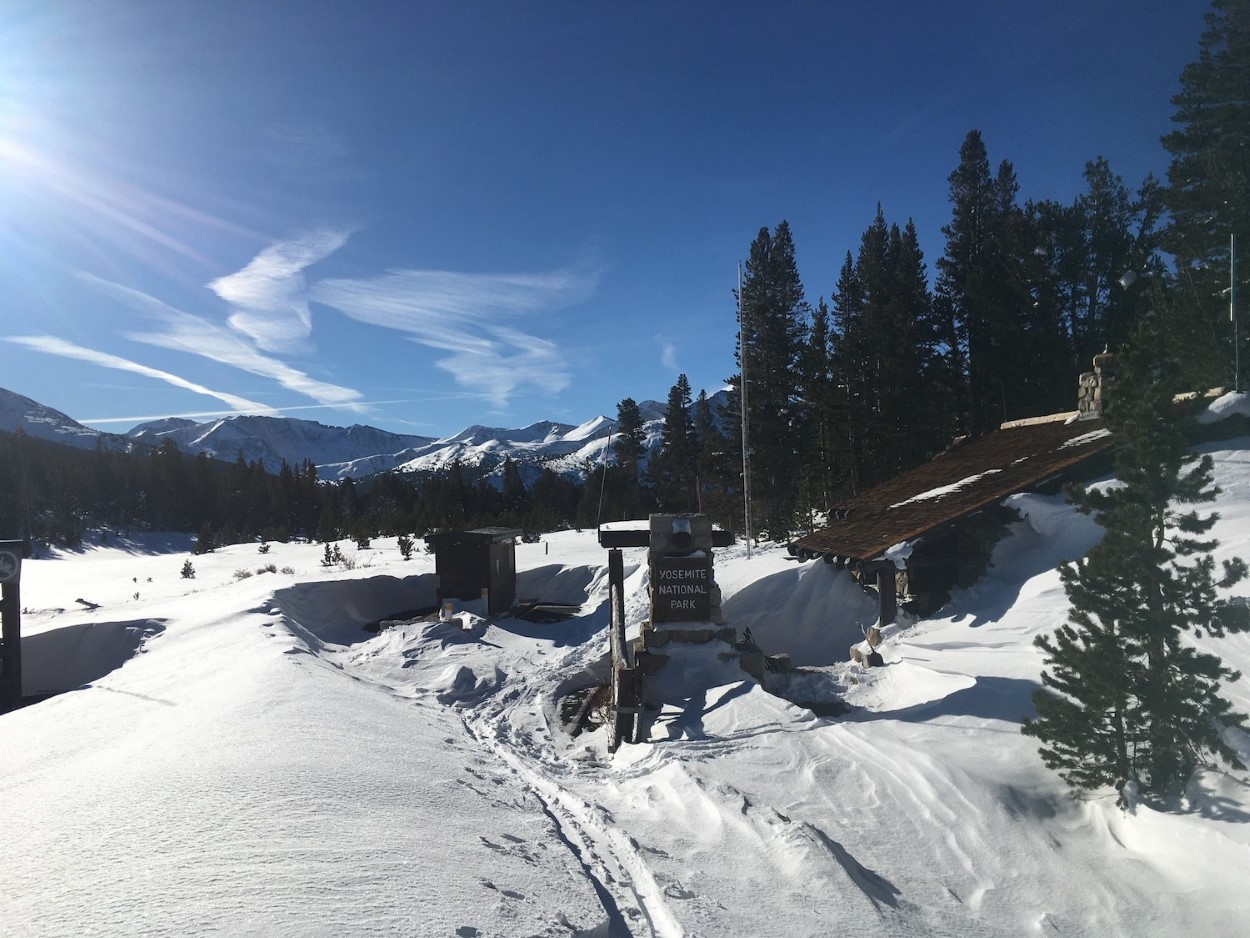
column 1232, row 309
column 746, row 445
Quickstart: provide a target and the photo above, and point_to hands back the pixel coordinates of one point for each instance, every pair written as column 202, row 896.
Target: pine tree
column 910, row 428
column 818, row 487
column 1127, row 695
column 674, row 469
column 1208, row 193
column 962, row 275
column 983, row 287
column 516, row 500
column 719, row 469
column 630, row 447
column 850, row 365
column 206, row 541
column 773, row 333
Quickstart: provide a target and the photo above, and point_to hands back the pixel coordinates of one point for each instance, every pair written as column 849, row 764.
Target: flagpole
column 746, row 445
column 1232, row 309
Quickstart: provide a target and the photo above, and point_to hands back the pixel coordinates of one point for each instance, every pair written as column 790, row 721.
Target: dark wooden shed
column 468, row 562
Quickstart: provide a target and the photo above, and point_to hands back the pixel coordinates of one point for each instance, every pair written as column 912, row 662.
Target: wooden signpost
column 679, row 552
column 11, row 613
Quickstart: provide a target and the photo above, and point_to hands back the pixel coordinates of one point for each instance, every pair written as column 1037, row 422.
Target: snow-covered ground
column 238, row 756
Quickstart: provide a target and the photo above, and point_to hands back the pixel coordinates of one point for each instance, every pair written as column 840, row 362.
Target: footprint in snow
column 676, row 890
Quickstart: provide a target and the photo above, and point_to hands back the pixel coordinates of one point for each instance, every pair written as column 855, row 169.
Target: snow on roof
column 947, row 489
column 1227, row 405
column 963, row 480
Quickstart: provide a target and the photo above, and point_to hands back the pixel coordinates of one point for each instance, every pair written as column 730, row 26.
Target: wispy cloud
column 271, row 412
column 668, row 355
column 464, row 315
column 268, row 299
column 497, row 368
column 51, row 345
column 184, row 332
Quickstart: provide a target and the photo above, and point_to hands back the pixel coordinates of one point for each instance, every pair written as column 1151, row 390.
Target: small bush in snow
column 242, row 574
column 332, row 556
column 290, row 570
column 406, row 545
column 188, row 571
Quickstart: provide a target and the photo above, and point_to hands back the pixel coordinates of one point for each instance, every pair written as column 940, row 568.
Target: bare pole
column 746, row 445
column 1232, row 309
column 603, row 467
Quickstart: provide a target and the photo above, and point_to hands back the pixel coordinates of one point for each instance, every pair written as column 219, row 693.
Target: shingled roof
column 961, row 481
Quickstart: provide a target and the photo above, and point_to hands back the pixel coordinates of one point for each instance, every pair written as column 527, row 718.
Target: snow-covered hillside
column 37, row 420
column 263, row 765
column 274, row 440
column 352, row 452
column 360, row 451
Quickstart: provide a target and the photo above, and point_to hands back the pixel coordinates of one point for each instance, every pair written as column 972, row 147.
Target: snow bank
column 64, row 658
column 337, row 611
column 811, row 611
column 1228, row 405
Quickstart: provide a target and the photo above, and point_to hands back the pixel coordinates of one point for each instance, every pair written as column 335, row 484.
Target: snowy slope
column 352, row 452
column 37, row 420
column 265, row 766
column 273, row 440
column 360, row 451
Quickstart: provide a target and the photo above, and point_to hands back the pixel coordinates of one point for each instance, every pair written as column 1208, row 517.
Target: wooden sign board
column 10, row 561
column 681, row 589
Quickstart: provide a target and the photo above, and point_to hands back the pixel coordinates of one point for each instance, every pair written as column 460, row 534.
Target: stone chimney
column 1093, row 387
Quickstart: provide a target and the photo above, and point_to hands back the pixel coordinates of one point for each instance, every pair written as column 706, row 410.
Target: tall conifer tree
column 1208, row 193
column 674, row 469
column 1128, row 696
column 629, row 447
column 773, row 334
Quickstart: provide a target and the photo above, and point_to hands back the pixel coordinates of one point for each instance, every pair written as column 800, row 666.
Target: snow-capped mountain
column 271, row 441
column 360, row 451
column 356, row 451
column 37, row 420
column 563, row 448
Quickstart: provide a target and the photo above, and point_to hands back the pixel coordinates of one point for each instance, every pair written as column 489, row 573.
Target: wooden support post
column 11, row 666
column 626, row 679
column 11, row 553
column 887, row 595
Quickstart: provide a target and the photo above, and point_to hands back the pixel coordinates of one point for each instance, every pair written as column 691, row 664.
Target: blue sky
column 425, row 215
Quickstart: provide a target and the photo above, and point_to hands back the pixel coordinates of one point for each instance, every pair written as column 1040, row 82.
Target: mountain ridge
column 357, row 451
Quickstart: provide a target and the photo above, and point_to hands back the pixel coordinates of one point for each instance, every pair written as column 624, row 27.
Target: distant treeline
column 53, row 492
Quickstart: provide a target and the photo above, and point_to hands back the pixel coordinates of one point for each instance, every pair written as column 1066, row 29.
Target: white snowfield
column 240, row 757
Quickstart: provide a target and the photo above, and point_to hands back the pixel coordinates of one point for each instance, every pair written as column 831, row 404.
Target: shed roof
column 490, row 535
column 961, row 481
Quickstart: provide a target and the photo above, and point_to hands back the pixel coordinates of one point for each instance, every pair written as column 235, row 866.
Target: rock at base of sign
column 649, row 662
column 658, row 638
